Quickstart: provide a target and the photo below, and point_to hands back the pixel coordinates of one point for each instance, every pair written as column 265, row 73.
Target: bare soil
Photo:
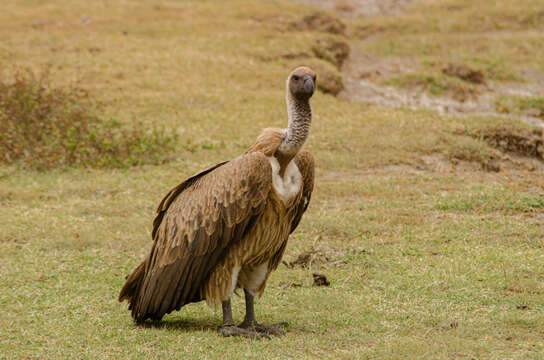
column 363, row 74
column 360, row 7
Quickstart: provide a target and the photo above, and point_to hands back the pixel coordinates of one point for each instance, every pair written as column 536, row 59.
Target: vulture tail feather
column 132, row 285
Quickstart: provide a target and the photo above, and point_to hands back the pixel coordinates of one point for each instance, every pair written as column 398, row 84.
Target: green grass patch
column 495, row 67
column 480, row 199
column 531, row 103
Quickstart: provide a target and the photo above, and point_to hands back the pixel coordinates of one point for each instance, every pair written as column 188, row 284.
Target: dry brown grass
column 44, row 126
column 343, row 5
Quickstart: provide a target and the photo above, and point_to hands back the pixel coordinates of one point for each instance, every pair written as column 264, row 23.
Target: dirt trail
column 360, row 69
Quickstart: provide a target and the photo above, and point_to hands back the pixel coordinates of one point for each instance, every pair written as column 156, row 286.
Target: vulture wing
column 305, row 163
column 196, row 222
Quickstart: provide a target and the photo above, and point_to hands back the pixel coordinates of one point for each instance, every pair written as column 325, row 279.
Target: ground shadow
column 184, row 325
column 204, row 324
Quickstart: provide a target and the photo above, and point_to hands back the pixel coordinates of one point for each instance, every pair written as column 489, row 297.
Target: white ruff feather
column 288, row 186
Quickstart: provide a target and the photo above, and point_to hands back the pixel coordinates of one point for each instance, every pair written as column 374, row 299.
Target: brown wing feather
column 195, row 224
column 172, row 194
column 305, row 163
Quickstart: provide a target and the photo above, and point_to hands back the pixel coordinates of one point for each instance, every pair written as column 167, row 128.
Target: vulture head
column 301, row 82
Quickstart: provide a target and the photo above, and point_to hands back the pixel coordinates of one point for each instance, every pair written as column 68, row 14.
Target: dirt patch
column 435, row 85
column 303, row 260
column 520, row 141
column 353, row 8
column 472, row 162
column 320, row 21
column 366, row 79
column 465, row 73
column 332, row 49
column 371, row 80
column 369, row 92
column 441, row 163
column 287, row 285
column 317, row 257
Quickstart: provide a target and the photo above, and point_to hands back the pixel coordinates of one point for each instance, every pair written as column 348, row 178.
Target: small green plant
column 533, row 106
column 496, row 67
column 482, row 200
column 528, row 103
column 44, row 127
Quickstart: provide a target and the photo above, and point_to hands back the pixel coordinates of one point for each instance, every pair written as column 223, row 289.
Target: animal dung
column 321, row 280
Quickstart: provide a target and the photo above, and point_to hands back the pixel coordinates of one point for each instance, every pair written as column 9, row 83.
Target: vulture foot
column 231, row 330
column 272, row 329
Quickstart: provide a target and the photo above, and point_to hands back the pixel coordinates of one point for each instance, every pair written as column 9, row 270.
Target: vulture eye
column 295, row 77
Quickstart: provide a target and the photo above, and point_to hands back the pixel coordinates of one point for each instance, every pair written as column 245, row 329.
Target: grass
column 437, row 264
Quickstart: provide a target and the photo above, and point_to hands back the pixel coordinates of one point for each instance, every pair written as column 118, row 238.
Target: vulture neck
column 299, row 113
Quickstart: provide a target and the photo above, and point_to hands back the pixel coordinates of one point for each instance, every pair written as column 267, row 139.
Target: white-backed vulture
column 227, row 226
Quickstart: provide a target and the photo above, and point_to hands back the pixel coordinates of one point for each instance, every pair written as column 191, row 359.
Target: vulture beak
column 308, row 84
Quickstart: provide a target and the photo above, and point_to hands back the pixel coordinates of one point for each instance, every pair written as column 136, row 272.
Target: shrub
column 43, row 127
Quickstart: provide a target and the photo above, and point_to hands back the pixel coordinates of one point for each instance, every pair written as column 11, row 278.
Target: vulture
column 227, row 227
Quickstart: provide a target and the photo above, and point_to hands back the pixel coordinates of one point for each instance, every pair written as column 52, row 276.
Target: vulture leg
column 251, row 323
column 229, row 329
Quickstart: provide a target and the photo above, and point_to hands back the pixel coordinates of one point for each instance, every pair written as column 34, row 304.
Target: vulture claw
column 232, row 330
column 272, row 329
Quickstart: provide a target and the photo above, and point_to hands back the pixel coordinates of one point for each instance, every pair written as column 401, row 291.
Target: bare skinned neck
column 299, row 114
